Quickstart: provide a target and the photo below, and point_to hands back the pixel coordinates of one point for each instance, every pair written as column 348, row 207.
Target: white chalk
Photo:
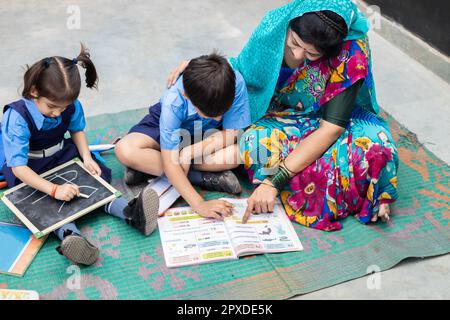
column 84, row 196
column 101, row 147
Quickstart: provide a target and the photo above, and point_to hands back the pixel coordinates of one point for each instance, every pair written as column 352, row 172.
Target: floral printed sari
column 356, row 174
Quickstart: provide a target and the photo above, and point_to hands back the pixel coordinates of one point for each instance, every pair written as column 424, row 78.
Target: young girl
column 32, row 136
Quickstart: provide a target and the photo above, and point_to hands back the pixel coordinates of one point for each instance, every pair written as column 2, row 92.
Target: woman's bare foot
column 383, row 213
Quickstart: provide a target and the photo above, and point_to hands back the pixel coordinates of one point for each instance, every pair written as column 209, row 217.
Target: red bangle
column 53, row 193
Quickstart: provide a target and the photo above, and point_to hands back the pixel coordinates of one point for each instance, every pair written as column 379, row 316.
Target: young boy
column 209, row 95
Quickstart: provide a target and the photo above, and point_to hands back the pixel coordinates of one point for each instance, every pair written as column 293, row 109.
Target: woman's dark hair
column 210, row 83
column 325, row 30
column 58, row 78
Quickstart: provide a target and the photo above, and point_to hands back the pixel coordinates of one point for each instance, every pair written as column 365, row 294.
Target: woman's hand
column 176, row 73
column 216, row 209
column 92, row 166
column 67, row 192
column 262, row 200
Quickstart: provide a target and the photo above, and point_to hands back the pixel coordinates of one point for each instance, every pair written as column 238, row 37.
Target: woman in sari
column 317, row 140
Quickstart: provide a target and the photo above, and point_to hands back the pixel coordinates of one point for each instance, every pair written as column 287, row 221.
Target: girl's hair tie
column 47, row 62
column 75, row 61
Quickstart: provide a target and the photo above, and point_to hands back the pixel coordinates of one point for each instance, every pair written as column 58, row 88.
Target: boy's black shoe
column 142, row 212
column 133, row 177
column 225, row 181
column 77, row 249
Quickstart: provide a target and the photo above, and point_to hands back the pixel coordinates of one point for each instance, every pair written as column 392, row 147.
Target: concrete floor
column 135, row 45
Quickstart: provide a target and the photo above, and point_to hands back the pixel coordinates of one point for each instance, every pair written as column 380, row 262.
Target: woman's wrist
column 280, row 178
column 269, row 183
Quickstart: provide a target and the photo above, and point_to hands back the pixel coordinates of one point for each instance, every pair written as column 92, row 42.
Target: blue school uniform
column 174, row 112
column 25, row 130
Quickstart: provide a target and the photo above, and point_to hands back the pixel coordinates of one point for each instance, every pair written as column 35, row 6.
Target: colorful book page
column 18, row 248
column 7, row 294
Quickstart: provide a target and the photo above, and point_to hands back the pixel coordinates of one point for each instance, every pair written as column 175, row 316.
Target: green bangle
column 280, row 179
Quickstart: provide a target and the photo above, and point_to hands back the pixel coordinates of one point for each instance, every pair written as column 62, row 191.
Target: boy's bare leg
column 222, row 160
column 140, row 152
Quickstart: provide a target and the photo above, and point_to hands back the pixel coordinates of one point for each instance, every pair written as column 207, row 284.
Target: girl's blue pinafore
column 43, row 139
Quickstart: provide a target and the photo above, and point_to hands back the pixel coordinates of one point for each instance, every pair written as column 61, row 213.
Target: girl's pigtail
column 85, row 61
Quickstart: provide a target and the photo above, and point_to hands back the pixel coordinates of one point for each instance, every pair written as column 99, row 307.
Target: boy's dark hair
column 58, row 78
column 210, row 83
column 325, row 30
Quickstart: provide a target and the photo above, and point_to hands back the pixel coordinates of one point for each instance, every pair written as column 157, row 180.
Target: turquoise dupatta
column 261, row 59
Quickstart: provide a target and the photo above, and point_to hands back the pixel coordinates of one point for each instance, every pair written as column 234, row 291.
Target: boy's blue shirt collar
column 191, row 111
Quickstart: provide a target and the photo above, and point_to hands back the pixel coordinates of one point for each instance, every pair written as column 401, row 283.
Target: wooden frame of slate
column 26, row 212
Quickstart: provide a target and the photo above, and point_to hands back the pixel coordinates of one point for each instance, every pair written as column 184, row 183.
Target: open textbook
column 188, row 238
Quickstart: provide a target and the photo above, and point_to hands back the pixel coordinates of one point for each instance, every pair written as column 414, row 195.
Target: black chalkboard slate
column 43, row 214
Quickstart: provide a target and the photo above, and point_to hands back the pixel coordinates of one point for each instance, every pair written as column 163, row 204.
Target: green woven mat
column 132, row 266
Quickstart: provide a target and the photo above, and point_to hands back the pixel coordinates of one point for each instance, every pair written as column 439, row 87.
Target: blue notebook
column 18, row 247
